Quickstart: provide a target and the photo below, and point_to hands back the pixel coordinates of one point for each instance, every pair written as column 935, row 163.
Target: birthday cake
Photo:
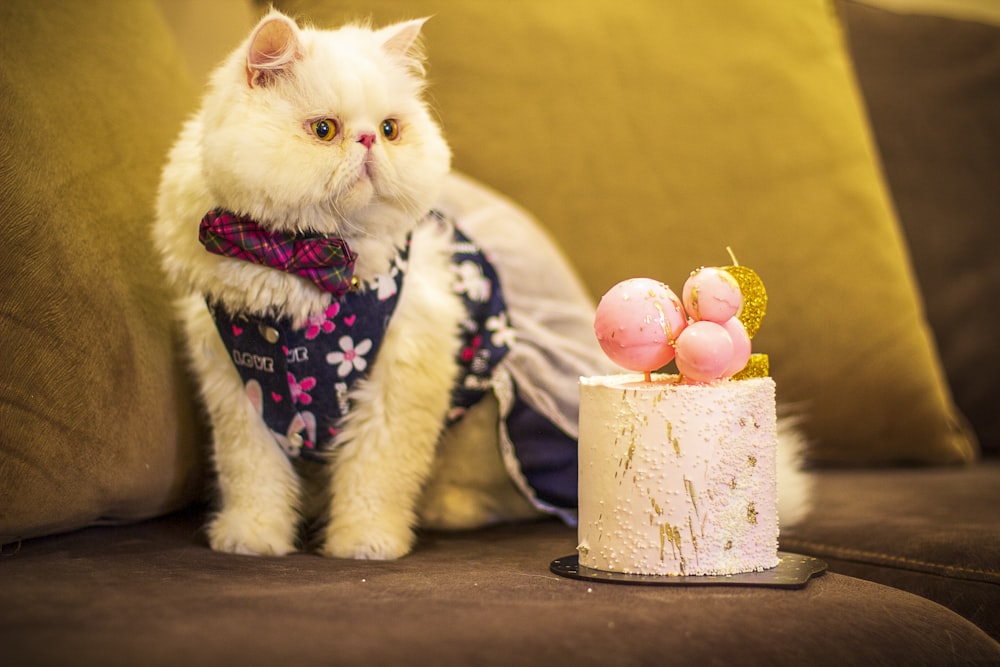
column 677, row 472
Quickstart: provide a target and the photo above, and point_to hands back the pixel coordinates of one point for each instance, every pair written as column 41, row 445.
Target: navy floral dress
column 300, row 378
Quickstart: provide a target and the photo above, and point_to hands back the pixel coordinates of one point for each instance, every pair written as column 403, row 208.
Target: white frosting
column 677, row 479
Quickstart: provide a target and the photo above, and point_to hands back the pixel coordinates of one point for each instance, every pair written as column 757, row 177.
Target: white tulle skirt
column 537, row 383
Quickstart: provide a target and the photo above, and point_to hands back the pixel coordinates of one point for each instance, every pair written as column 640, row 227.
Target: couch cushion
column 932, row 88
column 97, row 422
column 930, row 531
column 649, row 136
column 154, row 594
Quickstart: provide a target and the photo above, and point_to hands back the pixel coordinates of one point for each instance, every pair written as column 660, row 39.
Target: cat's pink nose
column 367, row 139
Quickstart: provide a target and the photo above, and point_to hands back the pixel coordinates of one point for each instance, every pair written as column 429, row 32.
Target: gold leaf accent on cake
column 729, row 545
column 694, row 539
column 625, row 463
column 752, row 460
column 672, row 535
column 674, row 441
column 758, row 367
column 659, row 396
column 754, row 297
column 752, row 513
column 664, row 323
column 689, row 487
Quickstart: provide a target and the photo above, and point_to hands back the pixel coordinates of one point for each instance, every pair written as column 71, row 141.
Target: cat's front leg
column 390, row 436
column 258, row 488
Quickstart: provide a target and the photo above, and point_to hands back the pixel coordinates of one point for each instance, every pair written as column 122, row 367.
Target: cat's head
column 323, row 130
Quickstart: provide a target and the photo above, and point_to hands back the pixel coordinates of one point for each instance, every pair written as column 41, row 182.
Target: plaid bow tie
column 327, row 261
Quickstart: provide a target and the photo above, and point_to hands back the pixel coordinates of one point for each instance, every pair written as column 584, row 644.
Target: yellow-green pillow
column 97, row 421
column 648, row 136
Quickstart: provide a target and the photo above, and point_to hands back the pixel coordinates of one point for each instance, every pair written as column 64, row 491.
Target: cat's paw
column 237, row 533
column 362, row 540
column 456, row 508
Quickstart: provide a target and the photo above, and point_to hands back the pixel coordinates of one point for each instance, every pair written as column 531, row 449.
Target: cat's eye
column 390, row 129
column 324, row 129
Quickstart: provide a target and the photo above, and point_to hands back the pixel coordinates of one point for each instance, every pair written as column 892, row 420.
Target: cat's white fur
column 249, row 149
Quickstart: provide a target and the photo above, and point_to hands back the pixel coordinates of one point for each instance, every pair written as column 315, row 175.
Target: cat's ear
column 402, row 40
column 274, row 46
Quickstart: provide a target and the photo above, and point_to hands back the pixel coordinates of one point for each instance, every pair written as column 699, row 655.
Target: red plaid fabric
column 325, row 260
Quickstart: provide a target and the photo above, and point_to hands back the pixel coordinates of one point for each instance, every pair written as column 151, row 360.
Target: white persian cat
column 330, row 383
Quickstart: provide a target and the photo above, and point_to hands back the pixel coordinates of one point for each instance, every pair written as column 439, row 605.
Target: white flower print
column 502, row 333
column 385, row 284
column 469, row 280
column 351, row 357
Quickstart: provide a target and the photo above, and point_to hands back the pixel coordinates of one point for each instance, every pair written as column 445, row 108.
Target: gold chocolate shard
column 758, row 367
column 754, row 297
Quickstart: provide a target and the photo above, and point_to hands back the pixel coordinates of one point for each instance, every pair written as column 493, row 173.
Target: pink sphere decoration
column 712, row 294
column 741, row 346
column 704, row 352
column 637, row 322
